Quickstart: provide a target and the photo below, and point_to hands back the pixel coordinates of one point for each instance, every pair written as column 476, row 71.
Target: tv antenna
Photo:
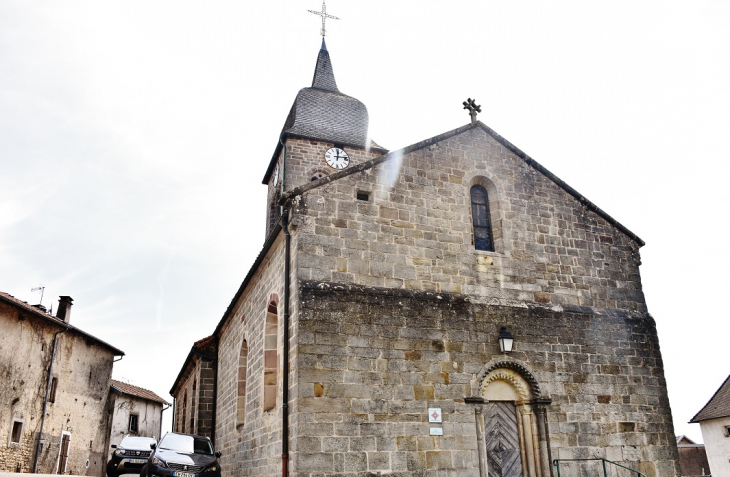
column 40, row 289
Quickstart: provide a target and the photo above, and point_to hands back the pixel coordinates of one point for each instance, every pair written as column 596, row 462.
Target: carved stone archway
column 506, row 385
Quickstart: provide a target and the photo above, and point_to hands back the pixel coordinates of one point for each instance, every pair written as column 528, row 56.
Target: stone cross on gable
column 473, row 108
column 324, row 16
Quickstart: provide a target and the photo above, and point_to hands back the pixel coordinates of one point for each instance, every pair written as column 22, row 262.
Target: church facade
column 365, row 338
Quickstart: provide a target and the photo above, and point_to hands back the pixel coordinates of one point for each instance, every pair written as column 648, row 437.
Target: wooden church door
column 502, row 440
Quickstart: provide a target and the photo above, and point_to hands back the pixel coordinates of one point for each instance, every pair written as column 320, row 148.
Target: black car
column 182, row 455
column 129, row 456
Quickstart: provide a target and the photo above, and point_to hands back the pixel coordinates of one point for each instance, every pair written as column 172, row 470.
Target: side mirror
column 153, row 446
column 114, row 446
column 218, row 454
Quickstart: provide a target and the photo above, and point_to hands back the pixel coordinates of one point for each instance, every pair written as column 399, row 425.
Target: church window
column 184, row 411
column 480, row 217
column 242, row 370
column 271, row 356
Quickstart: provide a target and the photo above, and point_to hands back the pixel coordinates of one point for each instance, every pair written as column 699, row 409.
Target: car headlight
column 158, row 462
column 120, row 452
column 211, row 469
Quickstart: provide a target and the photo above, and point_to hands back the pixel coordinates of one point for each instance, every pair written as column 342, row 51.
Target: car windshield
column 186, row 444
column 137, row 443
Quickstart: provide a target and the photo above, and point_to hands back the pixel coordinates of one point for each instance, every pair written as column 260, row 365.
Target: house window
column 17, row 432
column 480, row 217
column 727, row 431
column 52, row 392
column 133, row 423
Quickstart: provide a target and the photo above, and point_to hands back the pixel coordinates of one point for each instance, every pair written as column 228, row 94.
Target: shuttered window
column 480, row 217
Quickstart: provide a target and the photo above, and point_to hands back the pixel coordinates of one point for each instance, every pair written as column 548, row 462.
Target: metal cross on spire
column 324, row 16
column 473, row 108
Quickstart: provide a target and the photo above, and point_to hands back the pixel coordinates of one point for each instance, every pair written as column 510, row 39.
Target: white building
column 137, row 412
column 714, row 420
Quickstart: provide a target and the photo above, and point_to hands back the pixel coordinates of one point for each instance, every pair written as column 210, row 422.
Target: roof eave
column 56, row 321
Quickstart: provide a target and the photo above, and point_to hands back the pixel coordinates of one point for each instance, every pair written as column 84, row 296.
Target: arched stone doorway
column 511, row 423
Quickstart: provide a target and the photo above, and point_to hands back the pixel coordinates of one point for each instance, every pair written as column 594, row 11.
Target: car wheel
column 110, row 471
column 143, row 471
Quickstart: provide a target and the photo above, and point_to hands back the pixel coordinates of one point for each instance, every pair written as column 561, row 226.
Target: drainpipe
column 45, row 400
column 159, row 435
column 285, row 377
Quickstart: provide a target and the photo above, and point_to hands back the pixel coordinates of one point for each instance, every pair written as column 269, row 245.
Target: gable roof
column 197, row 349
column 11, row 300
column 684, row 440
column 136, row 391
column 441, row 137
column 718, row 406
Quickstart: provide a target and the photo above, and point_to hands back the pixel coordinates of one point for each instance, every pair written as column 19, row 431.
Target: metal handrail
column 556, row 463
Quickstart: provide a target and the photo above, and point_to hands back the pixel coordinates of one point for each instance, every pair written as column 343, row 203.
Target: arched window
column 271, row 356
column 242, row 369
column 184, row 411
column 480, row 218
column 193, row 409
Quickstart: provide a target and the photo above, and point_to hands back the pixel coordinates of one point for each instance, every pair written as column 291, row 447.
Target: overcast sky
column 134, row 137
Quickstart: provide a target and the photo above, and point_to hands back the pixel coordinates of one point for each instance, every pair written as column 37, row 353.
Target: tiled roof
column 137, row 391
column 10, row 299
column 718, row 406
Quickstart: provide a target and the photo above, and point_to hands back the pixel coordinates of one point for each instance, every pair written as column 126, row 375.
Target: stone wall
column 415, row 232
column 373, row 360
column 305, row 161
column 186, row 410
column 83, row 369
column 251, row 446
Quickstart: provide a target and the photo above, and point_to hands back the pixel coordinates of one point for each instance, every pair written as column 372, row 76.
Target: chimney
column 64, row 308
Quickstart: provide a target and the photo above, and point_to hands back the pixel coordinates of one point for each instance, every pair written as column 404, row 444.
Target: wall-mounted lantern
column 505, row 340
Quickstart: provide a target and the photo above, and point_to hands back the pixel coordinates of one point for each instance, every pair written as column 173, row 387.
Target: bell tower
column 325, row 132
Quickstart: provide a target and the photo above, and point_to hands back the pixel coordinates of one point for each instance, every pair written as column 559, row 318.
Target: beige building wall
column 81, row 410
column 717, row 444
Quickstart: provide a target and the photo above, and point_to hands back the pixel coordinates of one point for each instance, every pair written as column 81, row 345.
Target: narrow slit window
column 52, row 391
column 480, row 217
column 17, row 432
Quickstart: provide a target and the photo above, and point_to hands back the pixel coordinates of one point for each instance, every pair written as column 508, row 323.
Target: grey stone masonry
column 373, row 360
column 415, row 232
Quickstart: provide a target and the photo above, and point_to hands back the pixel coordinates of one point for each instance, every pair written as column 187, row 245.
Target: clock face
column 336, row 158
column 276, row 175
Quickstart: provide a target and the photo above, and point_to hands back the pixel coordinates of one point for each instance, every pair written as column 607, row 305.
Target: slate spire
column 324, row 77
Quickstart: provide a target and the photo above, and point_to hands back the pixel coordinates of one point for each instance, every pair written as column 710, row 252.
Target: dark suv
column 129, row 456
column 182, row 455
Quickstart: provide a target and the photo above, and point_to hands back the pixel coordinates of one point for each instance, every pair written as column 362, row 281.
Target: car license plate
column 137, row 461
column 183, row 474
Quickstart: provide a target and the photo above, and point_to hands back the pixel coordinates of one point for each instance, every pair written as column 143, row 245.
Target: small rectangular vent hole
column 363, row 196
